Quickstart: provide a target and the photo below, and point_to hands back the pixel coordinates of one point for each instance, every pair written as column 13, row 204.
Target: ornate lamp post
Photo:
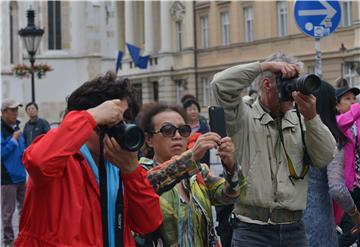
column 31, row 35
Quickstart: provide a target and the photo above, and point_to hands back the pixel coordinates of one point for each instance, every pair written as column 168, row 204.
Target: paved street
column 15, row 224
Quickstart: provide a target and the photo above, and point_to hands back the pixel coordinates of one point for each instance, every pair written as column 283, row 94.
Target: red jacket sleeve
column 49, row 155
column 142, row 204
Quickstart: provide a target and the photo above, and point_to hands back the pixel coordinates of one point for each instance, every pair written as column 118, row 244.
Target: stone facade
column 172, row 33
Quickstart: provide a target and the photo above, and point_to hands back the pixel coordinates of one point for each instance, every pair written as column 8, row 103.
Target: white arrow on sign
column 329, row 11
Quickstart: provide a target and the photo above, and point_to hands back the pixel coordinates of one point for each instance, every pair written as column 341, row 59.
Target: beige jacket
column 258, row 146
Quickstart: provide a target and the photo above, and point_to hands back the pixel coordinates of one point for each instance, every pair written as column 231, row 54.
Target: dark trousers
column 11, row 193
column 347, row 238
column 280, row 235
column 224, row 229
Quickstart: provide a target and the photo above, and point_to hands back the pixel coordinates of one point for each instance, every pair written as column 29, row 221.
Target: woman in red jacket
column 62, row 203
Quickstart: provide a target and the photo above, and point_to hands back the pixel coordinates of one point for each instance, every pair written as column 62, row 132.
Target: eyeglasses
column 169, row 130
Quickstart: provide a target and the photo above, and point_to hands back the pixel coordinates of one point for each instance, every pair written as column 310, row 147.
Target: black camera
column 129, row 136
column 306, row 84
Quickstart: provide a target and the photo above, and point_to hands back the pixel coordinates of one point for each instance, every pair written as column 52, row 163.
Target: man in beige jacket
column 269, row 210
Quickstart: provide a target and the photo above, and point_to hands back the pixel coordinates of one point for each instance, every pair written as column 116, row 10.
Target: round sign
column 317, row 18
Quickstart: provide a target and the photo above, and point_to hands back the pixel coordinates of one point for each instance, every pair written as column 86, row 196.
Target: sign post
column 317, row 19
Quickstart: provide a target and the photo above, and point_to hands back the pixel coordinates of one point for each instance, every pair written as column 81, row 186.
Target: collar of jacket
column 7, row 129
column 289, row 120
column 34, row 121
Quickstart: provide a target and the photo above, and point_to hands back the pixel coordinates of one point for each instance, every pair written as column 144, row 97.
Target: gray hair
column 275, row 57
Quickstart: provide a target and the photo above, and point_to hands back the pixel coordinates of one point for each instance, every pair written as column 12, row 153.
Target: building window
column 179, row 35
column 282, row 15
column 179, row 90
column 350, row 73
column 206, row 90
column 138, row 92
column 248, row 20
column 204, row 25
column 225, row 28
column 346, row 13
column 155, row 91
column 54, row 22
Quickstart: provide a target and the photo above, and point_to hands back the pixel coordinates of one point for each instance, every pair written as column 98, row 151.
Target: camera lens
column 310, row 83
column 128, row 136
column 133, row 138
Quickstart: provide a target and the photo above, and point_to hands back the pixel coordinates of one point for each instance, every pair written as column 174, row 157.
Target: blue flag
column 118, row 60
column 139, row 61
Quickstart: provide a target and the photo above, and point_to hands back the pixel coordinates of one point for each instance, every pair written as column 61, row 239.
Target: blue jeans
column 280, row 235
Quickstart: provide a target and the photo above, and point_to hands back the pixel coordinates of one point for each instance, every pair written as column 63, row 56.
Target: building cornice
column 264, row 41
column 160, row 73
column 304, row 58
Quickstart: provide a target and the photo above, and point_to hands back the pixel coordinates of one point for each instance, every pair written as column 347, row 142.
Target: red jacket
column 62, row 201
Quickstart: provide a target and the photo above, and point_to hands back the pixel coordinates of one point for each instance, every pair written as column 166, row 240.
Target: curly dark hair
column 147, row 124
column 102, row 88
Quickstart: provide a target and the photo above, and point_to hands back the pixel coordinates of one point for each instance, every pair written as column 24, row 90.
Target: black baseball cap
column 343, row 90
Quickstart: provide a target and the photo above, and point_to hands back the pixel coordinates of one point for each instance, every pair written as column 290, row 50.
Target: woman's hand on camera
column 226, row 151
column 204, row 143
column 109, row 112
column 125, row 160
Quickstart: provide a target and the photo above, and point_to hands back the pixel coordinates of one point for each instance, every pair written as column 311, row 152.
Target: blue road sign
column 317, row 18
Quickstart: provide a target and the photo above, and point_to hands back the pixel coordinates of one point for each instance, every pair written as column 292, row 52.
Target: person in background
column 187, row 187
column 271, row 150
column 198, row 126
column 319, row 219
column 349, row 122
column 341, row 82
column 190, row 96
column 13, row 175
column 35, row 126
column 63, row 204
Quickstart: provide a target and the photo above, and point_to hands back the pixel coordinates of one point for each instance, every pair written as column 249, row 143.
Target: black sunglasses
column 169, row 130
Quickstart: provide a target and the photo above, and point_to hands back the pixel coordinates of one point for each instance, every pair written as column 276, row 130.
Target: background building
column 80, row 41
column 188, row 42
column 230, row 33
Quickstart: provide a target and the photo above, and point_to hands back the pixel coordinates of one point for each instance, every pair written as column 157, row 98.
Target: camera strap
column 119, row 219
column 119, row 227
column 103, row 191
column 306, row 158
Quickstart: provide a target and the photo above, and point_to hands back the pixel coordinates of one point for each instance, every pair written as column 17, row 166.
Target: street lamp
column 31, row 35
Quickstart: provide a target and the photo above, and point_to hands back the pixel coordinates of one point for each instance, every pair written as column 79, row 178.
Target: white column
column 5, row 40
column 165, row 26
column 149, row 27
column 77, row 20
column 129, row 22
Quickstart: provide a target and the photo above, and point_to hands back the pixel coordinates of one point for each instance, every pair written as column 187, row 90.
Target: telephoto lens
column 306, row 84
column 129, row 136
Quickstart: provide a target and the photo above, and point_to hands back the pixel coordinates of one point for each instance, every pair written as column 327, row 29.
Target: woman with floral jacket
column 188, row 189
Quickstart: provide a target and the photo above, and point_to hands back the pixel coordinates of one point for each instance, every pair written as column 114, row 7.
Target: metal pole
column 318, row 63
column 32, row 61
